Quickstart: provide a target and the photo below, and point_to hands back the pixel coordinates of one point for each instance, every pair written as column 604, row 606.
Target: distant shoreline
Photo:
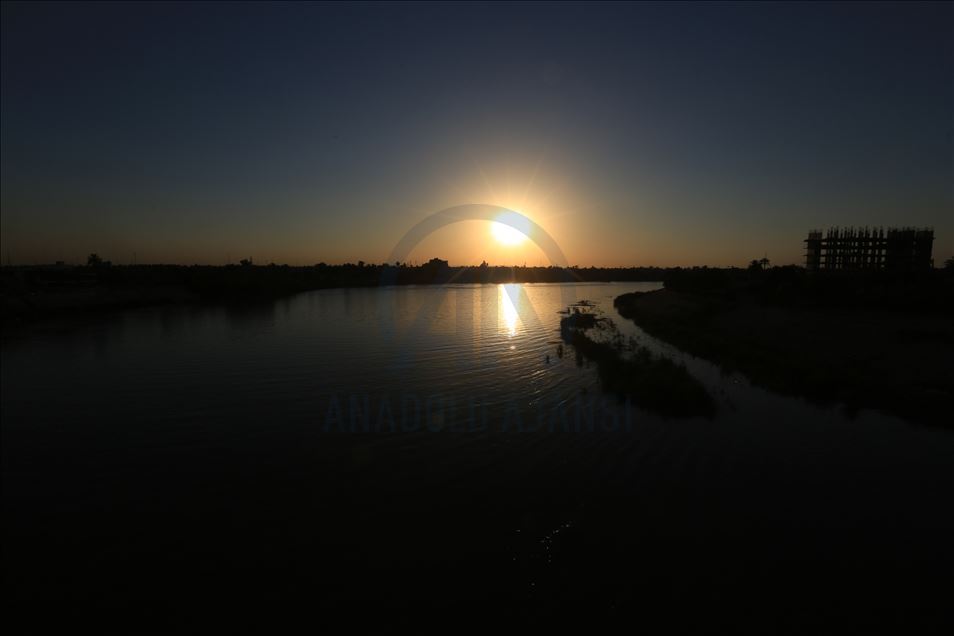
column 60, row 293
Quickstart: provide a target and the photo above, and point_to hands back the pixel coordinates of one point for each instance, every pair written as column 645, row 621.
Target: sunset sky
column 635, row 135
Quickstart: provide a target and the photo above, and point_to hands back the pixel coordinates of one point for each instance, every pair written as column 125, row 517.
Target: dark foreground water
column 414, row 446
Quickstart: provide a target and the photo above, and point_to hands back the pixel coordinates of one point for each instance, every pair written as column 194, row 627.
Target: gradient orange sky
column 635, row 135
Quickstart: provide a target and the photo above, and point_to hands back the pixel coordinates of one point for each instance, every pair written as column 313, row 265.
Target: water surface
column 430, row 442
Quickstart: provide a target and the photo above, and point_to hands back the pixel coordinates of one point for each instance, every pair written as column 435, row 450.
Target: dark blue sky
column 635, row 134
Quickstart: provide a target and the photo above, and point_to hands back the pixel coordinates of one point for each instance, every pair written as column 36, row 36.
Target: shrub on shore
column 653, row 382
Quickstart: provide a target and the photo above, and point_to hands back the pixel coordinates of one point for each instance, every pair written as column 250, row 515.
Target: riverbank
column 37, row 294
column 899, row 362
column 653, row 382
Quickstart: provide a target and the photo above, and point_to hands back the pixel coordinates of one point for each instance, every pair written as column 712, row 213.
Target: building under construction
column 897, row 249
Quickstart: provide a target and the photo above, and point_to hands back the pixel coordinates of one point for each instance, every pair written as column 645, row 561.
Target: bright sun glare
column 507, row 235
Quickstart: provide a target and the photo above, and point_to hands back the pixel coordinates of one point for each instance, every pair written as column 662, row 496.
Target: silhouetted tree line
column 250, row 280
column 790, row 285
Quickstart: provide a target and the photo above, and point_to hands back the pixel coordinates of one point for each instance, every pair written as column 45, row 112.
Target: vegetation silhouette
column 653, row 382
column 863, row 339
column 31, row 293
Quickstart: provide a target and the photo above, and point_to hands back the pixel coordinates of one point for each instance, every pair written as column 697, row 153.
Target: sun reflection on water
column 508, row 314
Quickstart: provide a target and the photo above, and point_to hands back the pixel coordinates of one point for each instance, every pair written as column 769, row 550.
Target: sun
column 507, row 229
column 507, row 235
